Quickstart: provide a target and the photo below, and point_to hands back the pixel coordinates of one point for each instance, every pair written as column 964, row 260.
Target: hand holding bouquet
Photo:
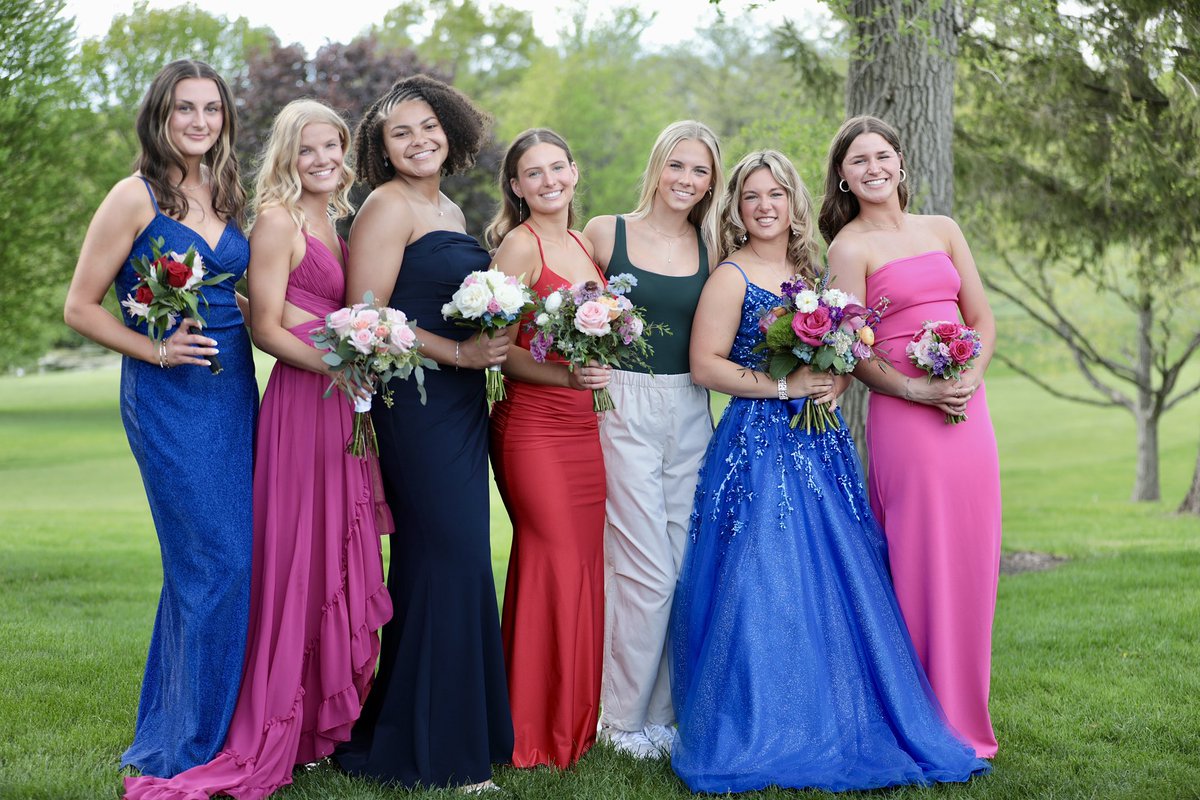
column 169, row 287
column 588, row 321
column 944, row 350
column 821, row 327
column 489, row 300
column 367, row 343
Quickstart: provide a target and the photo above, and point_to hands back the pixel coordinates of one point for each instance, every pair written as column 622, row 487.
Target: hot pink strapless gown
column 935, row 489
column 318, row 596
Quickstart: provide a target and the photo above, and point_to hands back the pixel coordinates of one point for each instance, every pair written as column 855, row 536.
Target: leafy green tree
column 1080, row 135
column 48, row 143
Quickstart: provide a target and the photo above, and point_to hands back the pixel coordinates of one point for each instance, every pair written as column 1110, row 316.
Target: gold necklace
column 435, row 206
column 670, row 239
column 878, row 227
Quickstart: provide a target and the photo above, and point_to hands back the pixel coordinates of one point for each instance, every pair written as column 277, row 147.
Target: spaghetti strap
column 541, row 252
column 149, row 191
column 735, row 266
column 599, row 271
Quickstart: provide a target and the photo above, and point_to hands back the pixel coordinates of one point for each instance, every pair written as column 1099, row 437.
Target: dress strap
column 541, row 252
column 739, row 269
column 703, row 252
column 149, row 191
column 579, row 242
column 619, row 244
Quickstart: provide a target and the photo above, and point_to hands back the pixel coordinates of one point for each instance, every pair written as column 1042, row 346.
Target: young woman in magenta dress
column 190, row 430
column 935, row 488
column 654, row 441
column 791, row 663
column 438, row 714
column 550, row 472
column 318, row 597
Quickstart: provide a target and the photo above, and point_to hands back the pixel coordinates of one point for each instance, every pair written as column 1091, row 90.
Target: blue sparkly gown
column 791, row 664
column 192, row 435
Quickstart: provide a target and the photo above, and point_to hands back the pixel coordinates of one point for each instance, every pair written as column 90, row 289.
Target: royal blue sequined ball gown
column 192, row 435
column 791, row 663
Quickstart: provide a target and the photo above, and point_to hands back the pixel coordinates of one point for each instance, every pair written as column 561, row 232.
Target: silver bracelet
column 457, row 345
column 781, row 384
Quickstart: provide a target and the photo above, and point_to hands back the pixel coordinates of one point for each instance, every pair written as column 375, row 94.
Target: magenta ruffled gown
column 318, row 596
column 935, row 489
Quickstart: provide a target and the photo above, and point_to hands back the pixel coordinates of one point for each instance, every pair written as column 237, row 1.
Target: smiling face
column 764, row 206
column 197, row 116
column 871, row 168
column 414, row 139
column 545, row 179
column 319, row 162
column 686, row 176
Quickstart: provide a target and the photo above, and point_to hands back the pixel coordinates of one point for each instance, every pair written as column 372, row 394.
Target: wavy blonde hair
column 803, row 249
column 278, row 181
column 704, row 214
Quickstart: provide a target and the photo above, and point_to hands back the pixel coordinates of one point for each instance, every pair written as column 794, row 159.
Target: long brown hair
column 838, row 207
column 465, row 125
column 158, row 153
column 803, row 251
column 513, row 211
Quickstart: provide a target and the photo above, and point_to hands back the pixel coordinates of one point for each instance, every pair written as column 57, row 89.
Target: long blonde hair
column 278, row 181
column 803, row 249
column 704, row 214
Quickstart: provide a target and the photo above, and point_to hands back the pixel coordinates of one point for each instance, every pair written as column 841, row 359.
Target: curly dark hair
column 466, row 127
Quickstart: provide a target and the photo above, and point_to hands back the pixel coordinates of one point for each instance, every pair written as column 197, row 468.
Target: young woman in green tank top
column 655, row 439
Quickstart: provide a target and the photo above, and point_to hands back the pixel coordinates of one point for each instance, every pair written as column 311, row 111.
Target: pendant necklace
column 670, row 239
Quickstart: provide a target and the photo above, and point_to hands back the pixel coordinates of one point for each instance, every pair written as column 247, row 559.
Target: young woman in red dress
column 550, row 471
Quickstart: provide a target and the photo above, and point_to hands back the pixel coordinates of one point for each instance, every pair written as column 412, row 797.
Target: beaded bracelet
column 783, row 390
column 162, row 355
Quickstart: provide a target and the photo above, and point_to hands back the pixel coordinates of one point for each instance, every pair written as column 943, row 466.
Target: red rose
column 961, row 350
column 144, row 295
column 946, row 330
column 177, row 274
column 812, row 327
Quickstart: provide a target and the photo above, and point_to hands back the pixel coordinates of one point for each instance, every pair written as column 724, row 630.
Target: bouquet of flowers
column 822, row 327
column 367, row 343
column 944, row 350
column 489, row 300
column 169, row 287
column 589, row 321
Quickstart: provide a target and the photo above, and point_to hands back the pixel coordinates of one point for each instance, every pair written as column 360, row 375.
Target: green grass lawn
column 1096, row 690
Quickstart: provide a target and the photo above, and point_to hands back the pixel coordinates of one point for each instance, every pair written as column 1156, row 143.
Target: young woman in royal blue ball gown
column 190, row 430
column 791, row 663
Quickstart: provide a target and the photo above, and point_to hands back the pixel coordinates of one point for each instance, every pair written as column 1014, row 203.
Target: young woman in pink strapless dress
column 318, row 598
column 934, row 487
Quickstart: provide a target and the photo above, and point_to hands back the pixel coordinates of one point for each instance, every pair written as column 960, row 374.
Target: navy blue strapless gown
column 438, row 713
column 192, row 435
column 791, row 663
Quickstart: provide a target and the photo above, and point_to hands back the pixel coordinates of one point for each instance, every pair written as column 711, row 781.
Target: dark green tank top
column 668, row 299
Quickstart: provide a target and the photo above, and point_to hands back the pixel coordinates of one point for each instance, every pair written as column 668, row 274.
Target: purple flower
column 539, row 346
column 790, row 289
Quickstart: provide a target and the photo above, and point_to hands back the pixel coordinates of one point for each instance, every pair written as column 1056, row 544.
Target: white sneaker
column 635, row 743
column 661, row 736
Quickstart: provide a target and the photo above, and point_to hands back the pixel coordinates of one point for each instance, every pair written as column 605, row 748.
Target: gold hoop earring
column 843, row 186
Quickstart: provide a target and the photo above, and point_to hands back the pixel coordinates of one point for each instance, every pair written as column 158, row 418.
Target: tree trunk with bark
column 1191, row 503
column 902, row 71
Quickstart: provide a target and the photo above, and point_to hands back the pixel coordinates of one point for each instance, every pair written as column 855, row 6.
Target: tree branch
column 1050, row 388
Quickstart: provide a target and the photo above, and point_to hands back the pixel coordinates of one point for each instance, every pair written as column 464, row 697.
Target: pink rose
column 812, row 327
column 946, row 330
column 362, row 339
column 339, row 321
column 961, row 350
column 591, row 318
column 403, row 337
column 367, row 318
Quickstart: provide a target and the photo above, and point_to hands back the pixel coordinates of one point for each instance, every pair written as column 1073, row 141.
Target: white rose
column 510, row 298
column 807, row 301
column 495, row 279
column 554, row 303
column 542, row 319
column 448, row 310
column 472, row 300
